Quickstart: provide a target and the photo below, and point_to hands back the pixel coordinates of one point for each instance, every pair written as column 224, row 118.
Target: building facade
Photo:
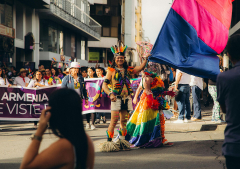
column 40, row 30
column 121, row 21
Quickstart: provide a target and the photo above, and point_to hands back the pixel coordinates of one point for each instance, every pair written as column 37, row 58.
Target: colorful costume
column 146, row 126
column 119, row 89
column 122, row 90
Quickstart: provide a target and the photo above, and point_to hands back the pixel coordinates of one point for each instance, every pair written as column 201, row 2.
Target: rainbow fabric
column 194, row 32
column 143, row 128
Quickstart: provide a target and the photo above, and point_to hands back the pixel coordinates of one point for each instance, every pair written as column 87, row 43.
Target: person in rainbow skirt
column 146, row 126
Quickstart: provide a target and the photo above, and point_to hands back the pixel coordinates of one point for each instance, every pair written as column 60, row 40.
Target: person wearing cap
column 22, row 79
column 75, row 82
column 67, row 71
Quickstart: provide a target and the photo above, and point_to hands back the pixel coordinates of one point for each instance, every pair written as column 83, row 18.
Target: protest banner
column 26, row 104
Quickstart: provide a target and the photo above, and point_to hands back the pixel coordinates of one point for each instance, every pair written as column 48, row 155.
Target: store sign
column 6, row 31
column 94, row 57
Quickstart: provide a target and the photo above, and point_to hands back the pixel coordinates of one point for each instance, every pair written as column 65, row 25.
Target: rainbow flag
column 194, row 32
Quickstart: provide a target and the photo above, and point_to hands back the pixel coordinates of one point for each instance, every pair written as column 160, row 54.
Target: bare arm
column 139, row 89
column 105, row 85
column 58, row 154
column 138, row 69
column 179, row 76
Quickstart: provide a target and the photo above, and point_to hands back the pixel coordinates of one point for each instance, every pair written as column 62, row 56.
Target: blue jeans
column 196, row 92
column 99, row 115
column 184, row 103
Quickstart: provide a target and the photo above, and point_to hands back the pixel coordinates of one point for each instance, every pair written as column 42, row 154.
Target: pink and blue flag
column 193, row 34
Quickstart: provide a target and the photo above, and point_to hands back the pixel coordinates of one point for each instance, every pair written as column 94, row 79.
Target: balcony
column 71, row 16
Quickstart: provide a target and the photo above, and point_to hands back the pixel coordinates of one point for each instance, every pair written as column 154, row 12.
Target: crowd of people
column 145, row 127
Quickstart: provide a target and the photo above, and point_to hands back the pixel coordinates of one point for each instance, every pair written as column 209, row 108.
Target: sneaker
column 97, row 121
column 195, row 119
column 87, row 126
column 178, row 121
column 185, row 120
column 92, row 127
column 220, row 121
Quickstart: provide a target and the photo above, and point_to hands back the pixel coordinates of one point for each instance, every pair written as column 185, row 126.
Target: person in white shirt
column 182, row 84
column 22, row 79
column 38, row 81
column 197, row 87
column 3, row 81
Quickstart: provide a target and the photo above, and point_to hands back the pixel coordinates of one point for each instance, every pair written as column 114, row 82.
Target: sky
column 154, row 13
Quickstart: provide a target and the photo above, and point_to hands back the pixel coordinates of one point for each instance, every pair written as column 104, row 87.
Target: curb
column 195, row 127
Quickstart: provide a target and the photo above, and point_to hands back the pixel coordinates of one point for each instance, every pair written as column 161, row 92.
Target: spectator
column 38, row 81
column 60, row 73
column 55, row 77
column 91, row 74
column 75, row 82
column 43, row 72
column 66, row 71
column 197, row 86
column 99, row 72
column 48, row 74
column 84, row 72
column 182, row 84
column 228, row 97
column 74, row 149
column 212, row 88
column 13, row 75
column 22, row 79
column 40, row 66
column 3, row 80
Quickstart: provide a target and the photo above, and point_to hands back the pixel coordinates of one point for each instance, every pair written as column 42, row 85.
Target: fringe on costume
column 109, row 145
column 121, row 142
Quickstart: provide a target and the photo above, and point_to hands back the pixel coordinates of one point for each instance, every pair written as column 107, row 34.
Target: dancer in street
column 121, row 102
column 146, row 126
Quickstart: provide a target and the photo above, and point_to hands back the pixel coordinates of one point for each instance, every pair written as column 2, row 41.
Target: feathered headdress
column 119, row 49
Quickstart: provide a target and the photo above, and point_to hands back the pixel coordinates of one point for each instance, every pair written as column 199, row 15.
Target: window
column 73, row 46
column 6, row 13
column 61, row 40
column 52, row 39
column 83, row 56
column 106, row 31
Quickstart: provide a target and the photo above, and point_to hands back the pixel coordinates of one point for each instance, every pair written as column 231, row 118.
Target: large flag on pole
column 194, row 32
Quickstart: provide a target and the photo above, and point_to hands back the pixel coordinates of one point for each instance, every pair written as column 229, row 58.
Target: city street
column 196, row 148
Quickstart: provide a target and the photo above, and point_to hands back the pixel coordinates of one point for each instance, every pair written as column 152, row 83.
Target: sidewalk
column 204, row 125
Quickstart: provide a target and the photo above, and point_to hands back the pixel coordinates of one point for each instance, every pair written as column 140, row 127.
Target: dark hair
column 56, row 71
column 125, row 65
column 93, row 69
column 67, row 121
column 233, row 47
column 103, row 70
column 60, row 70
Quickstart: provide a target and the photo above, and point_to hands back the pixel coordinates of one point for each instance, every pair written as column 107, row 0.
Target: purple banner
column 98, row 99
column 26, row 104
column 23, row 104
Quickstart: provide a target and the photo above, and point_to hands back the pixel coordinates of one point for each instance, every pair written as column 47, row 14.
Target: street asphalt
column 195, row 146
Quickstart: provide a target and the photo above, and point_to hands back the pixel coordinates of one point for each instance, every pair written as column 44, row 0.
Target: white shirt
column 2, row 82
column 196, row 81
column 19, row 81
column 42, row 82
column 185, row 79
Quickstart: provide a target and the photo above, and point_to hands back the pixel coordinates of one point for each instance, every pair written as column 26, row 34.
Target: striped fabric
column 194, row 32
